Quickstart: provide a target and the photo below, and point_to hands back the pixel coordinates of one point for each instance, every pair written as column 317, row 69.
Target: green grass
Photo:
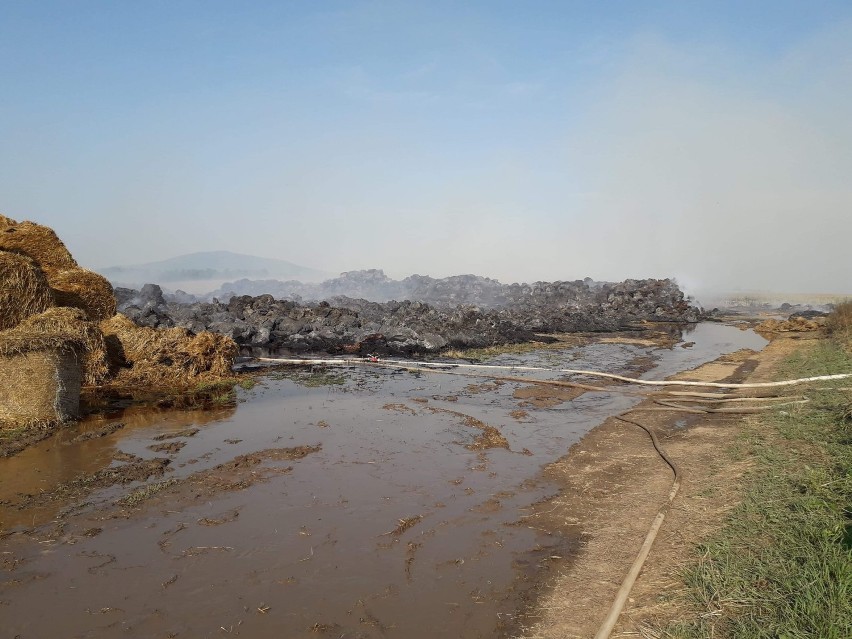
column 312, row 379
column 207, row 394
column 214, row 387
column 781, row 567
column 488, row 352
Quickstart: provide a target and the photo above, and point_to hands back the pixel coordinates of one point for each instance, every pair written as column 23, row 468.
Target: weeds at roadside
column 782, row 564
column 839, row 322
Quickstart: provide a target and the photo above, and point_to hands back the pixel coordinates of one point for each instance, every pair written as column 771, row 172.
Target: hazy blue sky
column 711, row 141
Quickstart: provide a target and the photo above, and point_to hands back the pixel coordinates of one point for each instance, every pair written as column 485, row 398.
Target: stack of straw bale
column 36, row 241
column 59, row 330
column 71, row 285
column 40, row 366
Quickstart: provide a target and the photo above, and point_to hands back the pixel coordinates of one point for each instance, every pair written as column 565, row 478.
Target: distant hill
column 201, row 272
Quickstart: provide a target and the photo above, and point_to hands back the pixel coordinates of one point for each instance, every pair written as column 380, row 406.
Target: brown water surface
column 398, row 524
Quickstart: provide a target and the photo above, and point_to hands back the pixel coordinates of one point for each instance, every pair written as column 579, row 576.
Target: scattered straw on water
column 490, row 437
column 404, row 524
column 145, row 492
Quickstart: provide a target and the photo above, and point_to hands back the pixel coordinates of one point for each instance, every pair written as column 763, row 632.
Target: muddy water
column 398, row 526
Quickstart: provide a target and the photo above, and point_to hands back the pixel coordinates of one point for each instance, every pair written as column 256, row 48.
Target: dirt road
column 613, row 484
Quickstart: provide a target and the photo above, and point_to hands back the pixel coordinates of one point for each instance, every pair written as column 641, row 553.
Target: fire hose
column 440, row 366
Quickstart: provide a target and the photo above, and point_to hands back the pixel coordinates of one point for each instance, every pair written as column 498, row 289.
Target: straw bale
column 40, row 384
column 81, row 288
column 38, row 242
column 24, row 290
column 71, row 324
column 792, row 325
column 168, row 357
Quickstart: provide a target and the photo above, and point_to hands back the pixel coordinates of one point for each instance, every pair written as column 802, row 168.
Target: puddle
column 711, row 340
column 401, row 524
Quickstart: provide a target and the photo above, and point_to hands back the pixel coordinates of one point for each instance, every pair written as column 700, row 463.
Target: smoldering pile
column 59, row 332
column 412, row 327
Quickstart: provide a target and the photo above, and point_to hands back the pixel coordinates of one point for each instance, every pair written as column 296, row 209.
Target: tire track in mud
column 235, row 474
column 239, row 473
column 490, row 437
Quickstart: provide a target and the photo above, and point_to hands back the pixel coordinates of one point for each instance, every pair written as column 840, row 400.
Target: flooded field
column 329, row 502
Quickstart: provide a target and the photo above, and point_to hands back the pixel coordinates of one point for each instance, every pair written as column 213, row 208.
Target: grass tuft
column 145, row 492
column 247, row 383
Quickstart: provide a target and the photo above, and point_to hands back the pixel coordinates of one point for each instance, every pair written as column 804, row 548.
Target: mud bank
column 512, row 314
column 356, row 503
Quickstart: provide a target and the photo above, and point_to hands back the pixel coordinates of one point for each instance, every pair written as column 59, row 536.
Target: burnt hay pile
column 59, row 332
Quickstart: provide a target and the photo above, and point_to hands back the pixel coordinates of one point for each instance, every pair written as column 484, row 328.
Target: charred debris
column 451, row 313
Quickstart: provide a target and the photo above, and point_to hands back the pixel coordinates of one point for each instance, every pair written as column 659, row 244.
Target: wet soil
column 490, row 437
column 169, row 447
column 545, row 396
column 134, row 470
column 14, row 440
column 388, row 504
